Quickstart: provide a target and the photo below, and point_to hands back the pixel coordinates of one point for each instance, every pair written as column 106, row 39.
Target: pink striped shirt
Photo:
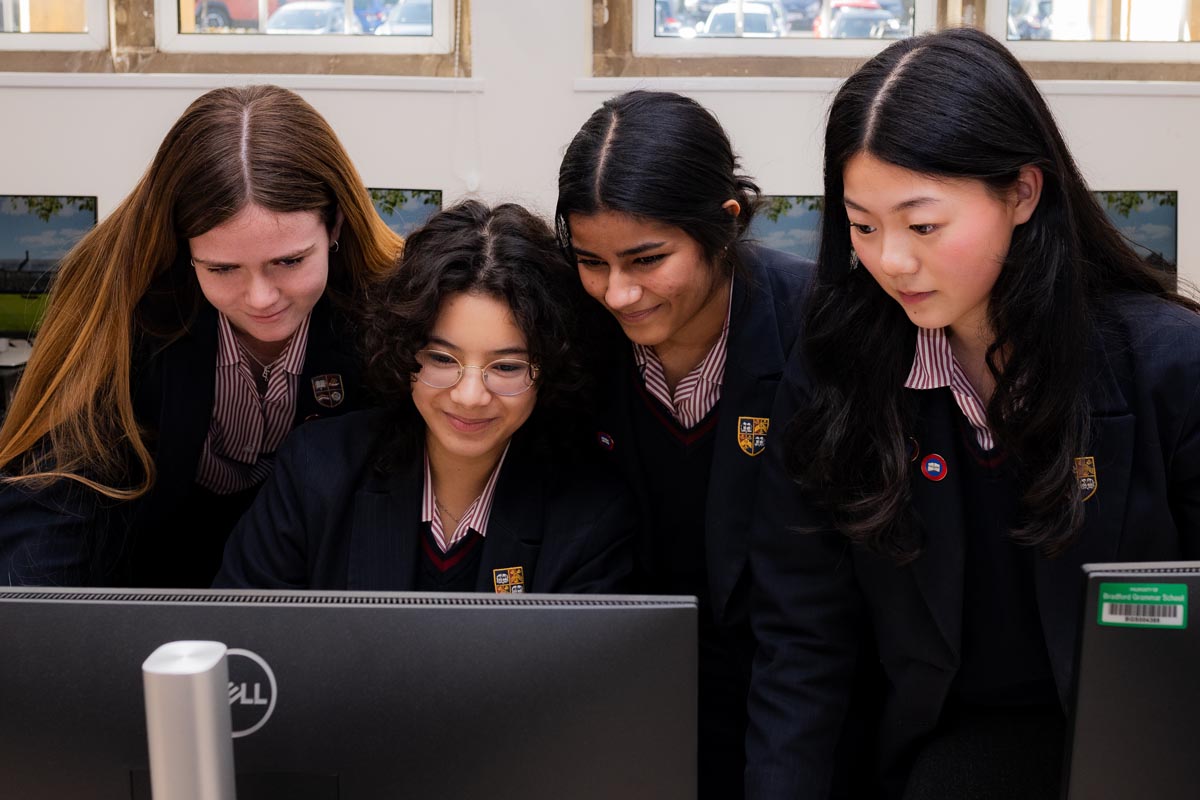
column 934, row 367
column 698, row 392
column 246, row 429
column 475, row 518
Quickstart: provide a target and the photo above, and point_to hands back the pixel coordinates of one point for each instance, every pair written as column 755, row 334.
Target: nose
column 261, row 292
column 623, row 290
column 470, row 389
column 896, row 257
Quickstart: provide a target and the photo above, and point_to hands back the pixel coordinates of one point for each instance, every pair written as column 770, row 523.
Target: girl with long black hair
column 992, row 389
column 655, row 213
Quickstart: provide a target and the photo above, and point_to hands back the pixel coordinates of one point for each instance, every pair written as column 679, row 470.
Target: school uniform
column 173, row 535
column 695, row 489
column 331, row 517
column 940, row 631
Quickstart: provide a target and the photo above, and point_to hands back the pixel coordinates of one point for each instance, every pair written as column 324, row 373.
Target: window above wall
column 305, row 26
column 1056, row 39
column 425, row 38
column 53, row 24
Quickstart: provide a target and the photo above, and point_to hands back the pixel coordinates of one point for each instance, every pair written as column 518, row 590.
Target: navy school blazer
column 68, row 535
column 815, row 593
column 764, row 320
column 329, row 518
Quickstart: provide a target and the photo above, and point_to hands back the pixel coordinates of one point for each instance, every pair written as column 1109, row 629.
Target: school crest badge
column 509, row 580
column 1085, row 473
column 328, row 390
column 752, row 434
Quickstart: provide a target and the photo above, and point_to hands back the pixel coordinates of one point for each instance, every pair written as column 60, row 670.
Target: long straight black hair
column 957, row 104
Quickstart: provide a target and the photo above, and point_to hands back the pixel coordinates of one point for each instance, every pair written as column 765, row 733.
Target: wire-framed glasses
column 504, row 376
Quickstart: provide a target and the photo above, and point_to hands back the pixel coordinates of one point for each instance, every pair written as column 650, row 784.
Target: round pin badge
column 933, row 467
column 605, row 440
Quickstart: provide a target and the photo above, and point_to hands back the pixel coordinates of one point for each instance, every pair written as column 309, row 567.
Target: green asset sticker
column 1144, row 605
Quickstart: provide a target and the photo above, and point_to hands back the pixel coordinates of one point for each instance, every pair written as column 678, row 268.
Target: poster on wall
column 405, row 210
column 36, row 231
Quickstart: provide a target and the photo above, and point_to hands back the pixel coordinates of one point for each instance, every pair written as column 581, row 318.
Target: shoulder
column 1156, row 335
column 777, row 270
column 349, row 439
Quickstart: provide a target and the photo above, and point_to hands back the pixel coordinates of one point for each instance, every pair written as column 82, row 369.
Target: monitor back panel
column 541, row 698
column 1137, row 705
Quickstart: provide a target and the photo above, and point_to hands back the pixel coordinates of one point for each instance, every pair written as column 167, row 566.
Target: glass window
column 405, row 210
column 1103, row 20
column 775, row 27
column 307, row 26
column 53, row 24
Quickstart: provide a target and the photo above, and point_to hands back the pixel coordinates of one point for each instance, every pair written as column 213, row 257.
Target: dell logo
column 252, row 691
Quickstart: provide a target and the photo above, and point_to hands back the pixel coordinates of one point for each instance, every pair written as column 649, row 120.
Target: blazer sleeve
column 61, row 535
column 807, row 615
column 268, row 549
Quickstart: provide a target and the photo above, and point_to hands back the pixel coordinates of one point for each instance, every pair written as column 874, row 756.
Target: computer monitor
column 1137, row 692
column 361, row 695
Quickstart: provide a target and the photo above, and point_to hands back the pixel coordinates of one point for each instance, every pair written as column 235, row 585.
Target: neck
column 457, row 481
column 970, row 351
column 684, row 351
column 265, row 352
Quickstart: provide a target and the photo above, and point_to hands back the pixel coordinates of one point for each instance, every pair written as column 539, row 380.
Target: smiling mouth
column 468, row 425
column 634, row 317
column 267, row 317
column 913, row 297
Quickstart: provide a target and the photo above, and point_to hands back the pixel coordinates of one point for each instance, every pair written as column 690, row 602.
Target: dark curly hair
column 506, row 253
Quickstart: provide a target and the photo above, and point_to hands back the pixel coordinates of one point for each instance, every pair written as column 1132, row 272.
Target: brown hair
column 128, row 281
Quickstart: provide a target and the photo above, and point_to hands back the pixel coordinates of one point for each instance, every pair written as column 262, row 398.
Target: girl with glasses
column 469, row 478
column 186, row 336
column 993, row 389
column 654, row 212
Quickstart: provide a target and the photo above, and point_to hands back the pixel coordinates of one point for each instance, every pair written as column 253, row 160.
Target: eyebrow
column 632, row 251
column 297, row 254
column 915, row 202
column 504, row 351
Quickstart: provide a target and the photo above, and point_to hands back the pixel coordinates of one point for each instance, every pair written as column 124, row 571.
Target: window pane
column 305, row 17
column 404, row 210
column 35, row 233
column 1104, row 20
column 43, row 16
column 771, row 19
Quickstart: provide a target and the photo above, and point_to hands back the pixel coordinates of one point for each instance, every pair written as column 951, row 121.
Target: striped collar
column 935, row 367
column 697, row 394
column 475, row 518
column 291, row 360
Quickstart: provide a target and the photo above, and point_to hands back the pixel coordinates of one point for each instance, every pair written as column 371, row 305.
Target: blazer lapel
column 1060, row 582
column 753, row 368
column 384, row 530
column 938, row 505
column 330, row 382
column 515, row 526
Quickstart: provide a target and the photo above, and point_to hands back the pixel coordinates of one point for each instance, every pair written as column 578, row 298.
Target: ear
column 1027, row 193
column 336, row 230
column 733, row 207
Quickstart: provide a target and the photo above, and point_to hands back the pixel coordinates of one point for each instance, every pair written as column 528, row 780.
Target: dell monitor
column 359, row 696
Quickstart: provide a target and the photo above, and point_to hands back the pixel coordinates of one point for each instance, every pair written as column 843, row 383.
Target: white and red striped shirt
column 935, row 367
column 475, row 518
column 246, row 429
column 698, row 392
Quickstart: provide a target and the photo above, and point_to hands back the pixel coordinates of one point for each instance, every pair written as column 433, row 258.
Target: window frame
column 95, row 38
column 170, row 40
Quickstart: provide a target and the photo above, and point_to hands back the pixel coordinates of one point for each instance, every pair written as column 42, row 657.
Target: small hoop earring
column 192, row 261
column 333, row 248
column 854, row 262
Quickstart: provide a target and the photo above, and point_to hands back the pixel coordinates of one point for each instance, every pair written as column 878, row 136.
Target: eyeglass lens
column 504, row 376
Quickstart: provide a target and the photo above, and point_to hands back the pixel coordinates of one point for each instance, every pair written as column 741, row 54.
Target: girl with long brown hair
column 186, row 335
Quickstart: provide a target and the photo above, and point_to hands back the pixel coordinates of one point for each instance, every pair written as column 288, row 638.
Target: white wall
column 502, row 132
